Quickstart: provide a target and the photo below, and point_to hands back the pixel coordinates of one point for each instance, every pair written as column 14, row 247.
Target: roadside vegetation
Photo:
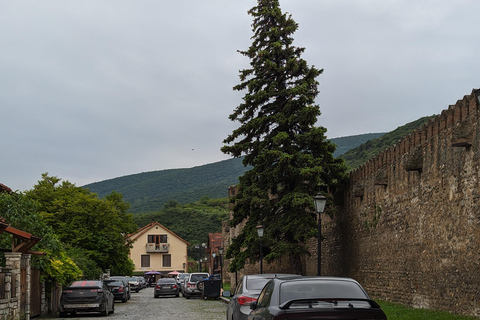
column 82, row 234
column 398, row 312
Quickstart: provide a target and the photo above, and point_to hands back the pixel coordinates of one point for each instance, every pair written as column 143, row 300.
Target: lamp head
column 260, row 231
column 320, row 201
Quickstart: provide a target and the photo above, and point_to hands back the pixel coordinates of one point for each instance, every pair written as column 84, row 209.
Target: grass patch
column 398, row 312
column 226, row 287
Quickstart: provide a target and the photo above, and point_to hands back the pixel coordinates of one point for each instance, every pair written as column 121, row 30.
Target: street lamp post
column 199, row 247
column 319, row 200
column 213, row 262
column 220, row 252
column 260, row 236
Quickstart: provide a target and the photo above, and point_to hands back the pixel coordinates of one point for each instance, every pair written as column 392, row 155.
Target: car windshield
column 115, row 284
column 255, row 283
column 321, row 290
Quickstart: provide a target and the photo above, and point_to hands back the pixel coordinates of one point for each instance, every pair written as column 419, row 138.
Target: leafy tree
column 22, row 213
column 97, row 227
column 290, row 157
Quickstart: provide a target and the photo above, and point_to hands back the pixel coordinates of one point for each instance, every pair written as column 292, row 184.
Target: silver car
column 180, row 280
column 246, row 292
column 190, row 284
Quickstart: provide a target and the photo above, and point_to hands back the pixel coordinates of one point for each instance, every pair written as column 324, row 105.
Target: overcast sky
column 94, row 90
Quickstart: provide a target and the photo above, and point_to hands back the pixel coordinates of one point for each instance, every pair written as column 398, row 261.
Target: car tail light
column 67, row 291
column 158, row 287
column 191, row 285
column 96, row 290
column 120, row 289
column 245, row 301
column 174, row 286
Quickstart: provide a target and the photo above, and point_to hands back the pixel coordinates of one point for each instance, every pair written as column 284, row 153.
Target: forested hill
column 347, row 143
column 149, row 191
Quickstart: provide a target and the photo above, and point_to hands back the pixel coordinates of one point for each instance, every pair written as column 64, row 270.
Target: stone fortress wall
column 409, row 223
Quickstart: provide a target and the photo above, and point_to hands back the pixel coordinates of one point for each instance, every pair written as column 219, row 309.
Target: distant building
column 155, row 248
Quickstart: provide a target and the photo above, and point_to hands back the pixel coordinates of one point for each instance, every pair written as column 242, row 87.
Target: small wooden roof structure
column 21, row 241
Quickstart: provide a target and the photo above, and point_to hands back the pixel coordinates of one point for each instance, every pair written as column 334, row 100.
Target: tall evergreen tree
column 290, row 157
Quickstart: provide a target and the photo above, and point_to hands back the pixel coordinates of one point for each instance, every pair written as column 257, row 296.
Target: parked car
column 180, row 280
column 166, row 287
column 246, row 292
column 125, row 281
column 118, row 289
column 134, row 284
column 314, row 297
column 190, row 284
column 143, row 282
column 86, row 296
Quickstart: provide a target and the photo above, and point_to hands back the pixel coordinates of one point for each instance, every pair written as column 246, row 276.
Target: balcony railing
column 158, row 247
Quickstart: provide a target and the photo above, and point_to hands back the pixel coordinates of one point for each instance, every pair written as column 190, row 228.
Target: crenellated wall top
column 464, row 111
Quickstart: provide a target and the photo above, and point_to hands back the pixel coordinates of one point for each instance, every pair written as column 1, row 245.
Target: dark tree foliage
column 290, row 157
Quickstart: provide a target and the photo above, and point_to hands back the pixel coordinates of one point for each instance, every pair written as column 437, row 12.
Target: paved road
column 143, row 306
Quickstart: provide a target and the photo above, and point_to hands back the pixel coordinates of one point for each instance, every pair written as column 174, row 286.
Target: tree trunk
column 296, row 264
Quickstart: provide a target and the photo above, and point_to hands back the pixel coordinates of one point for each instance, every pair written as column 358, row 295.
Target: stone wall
column 409, row 225
column 408, row 222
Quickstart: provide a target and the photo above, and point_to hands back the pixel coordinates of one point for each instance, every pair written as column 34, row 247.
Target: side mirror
column 226, row 294
column 253, row 305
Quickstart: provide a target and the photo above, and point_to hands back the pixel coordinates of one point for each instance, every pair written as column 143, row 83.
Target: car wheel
column 63, row 314
column 187, row 296
column 155, row 296
column 177, row 295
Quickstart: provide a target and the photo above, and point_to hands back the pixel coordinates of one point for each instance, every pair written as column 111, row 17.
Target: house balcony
column 158, row 247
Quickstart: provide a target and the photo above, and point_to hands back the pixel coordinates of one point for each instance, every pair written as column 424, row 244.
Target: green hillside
column 346, row 143
column 149, row 191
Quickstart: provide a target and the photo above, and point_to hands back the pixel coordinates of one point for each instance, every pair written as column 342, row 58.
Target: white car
column 190, row 284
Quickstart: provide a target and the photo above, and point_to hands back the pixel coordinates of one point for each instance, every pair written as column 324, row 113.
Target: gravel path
column 143, row 306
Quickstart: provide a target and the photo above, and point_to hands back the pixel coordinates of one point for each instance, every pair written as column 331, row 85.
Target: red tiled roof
column 4, row 188
column 214, row 241
column 144, row 229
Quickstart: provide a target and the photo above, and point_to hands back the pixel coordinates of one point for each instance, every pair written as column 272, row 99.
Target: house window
column 157, row 238
column 167, row 260
column 145, row 261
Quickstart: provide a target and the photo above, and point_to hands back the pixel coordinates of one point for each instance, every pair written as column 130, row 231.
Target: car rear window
column 255, row 283
column 198, row 277
column 320, row 289
column 167, row 280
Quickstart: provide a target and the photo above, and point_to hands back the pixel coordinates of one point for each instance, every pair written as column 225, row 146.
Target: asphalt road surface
column 143, row 306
